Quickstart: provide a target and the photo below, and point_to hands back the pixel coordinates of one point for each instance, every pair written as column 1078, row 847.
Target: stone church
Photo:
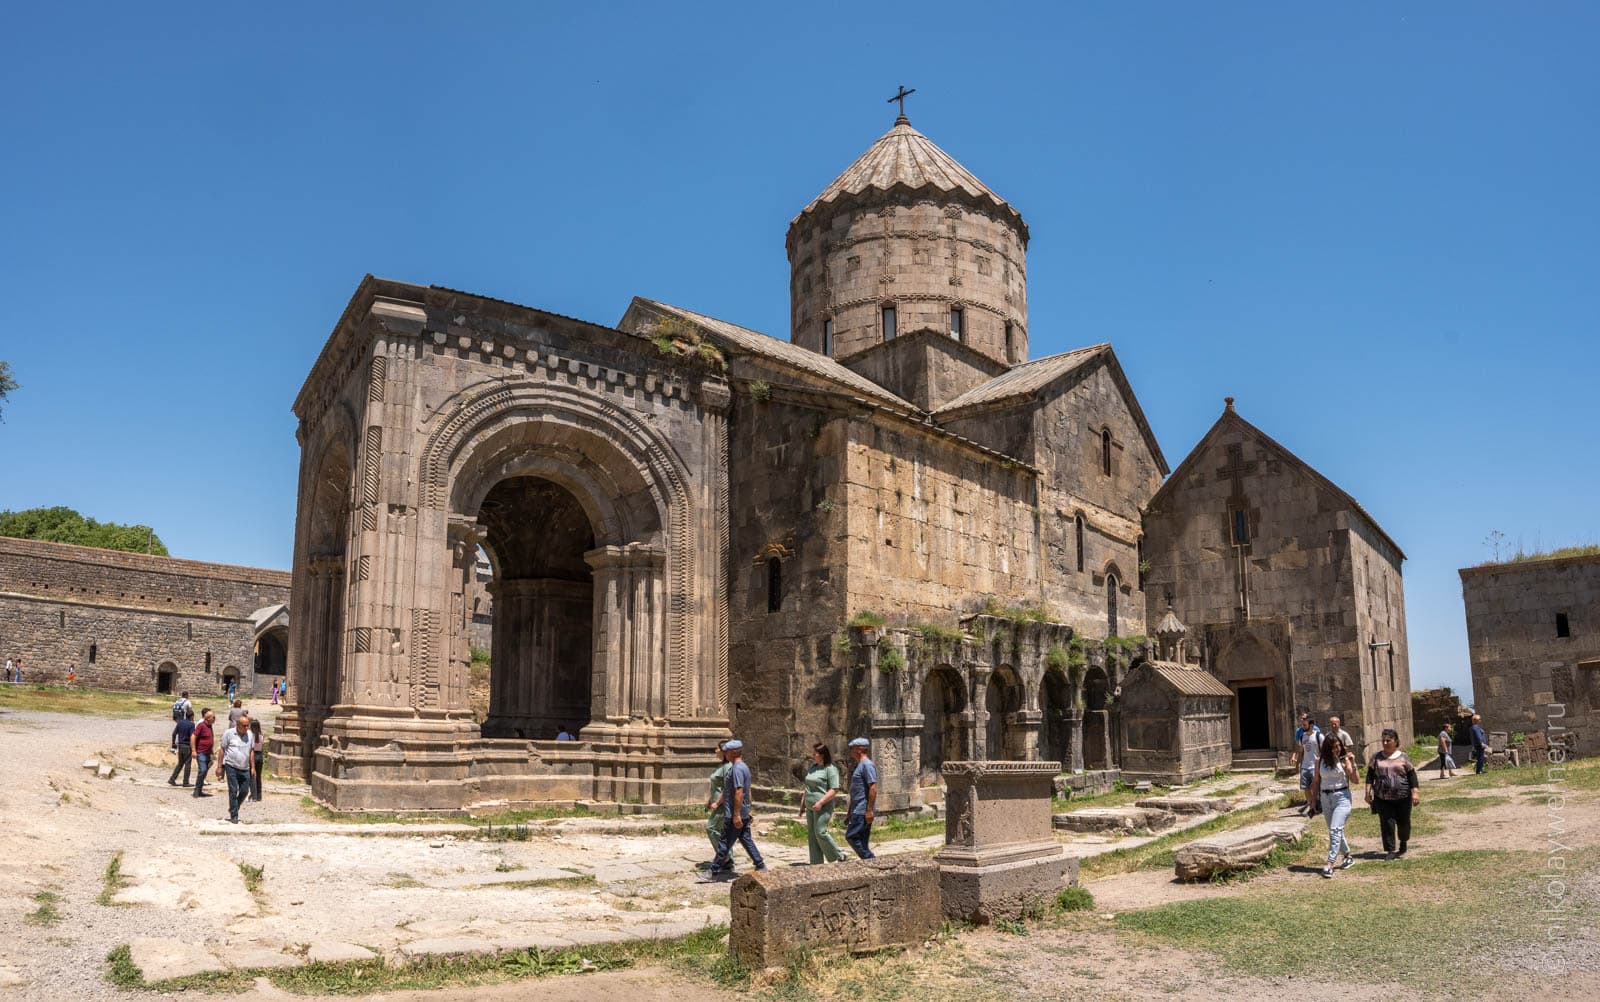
column 893, row 523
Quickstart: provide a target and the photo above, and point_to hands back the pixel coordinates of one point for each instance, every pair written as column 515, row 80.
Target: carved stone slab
column 1235, row 850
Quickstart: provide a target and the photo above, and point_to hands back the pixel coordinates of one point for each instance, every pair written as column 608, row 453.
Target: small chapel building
column 891, row 523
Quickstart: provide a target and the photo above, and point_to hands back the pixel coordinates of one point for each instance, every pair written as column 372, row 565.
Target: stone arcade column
column 978, row 730
column 629, row 674
column 314, row 670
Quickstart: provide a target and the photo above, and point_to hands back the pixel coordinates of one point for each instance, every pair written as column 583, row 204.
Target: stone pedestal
column 1000, row 858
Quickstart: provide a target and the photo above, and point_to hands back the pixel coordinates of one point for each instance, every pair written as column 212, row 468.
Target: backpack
column 178, row 708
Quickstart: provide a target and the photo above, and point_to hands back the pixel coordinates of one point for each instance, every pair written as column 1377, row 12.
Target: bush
column 1074, row 899
column 891, row 660
column 868, row 618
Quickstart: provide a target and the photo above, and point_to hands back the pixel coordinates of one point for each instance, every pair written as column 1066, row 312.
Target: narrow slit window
column 1011, row 342
column 1111, row 605
column 1563, row 628
column 774, row 584
column 1241, row 527
column 888, row 323
column 958, row 321
column 827, row 338
column 208, row 662
column 94, row 651
column 1077, row 530
column 1391, row 667
column 1105, row 451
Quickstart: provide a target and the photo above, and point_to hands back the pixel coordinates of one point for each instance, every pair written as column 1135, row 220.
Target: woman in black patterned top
column 1392, row 792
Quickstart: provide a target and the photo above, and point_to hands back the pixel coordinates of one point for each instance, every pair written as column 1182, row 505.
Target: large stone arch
column 635, row 491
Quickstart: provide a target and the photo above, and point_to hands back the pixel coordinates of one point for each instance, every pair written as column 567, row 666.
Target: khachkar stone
column 1000, row 858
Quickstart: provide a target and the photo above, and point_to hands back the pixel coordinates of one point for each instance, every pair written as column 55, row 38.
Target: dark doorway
column 164, row 679
column 1055, row 700
column 540, row 674
column 944, row 699
column 1255, row 722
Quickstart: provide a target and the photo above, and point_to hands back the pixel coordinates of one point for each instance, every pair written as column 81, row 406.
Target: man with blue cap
column 736, row 814
column 863, row 800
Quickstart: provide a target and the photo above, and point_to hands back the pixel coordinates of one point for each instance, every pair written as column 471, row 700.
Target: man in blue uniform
column 736, row 814
column 863, row 800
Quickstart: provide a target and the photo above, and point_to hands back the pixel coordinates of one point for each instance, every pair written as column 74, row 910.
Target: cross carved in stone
column 901, row 97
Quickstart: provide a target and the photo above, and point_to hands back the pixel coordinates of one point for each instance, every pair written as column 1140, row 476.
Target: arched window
column 774, row 584
column 1077, row 530
column 1105, row 451
column 1111, row 605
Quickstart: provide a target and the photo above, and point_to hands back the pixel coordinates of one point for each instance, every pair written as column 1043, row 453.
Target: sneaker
column 171, row 783
column 233, row 821
column 1402, row 851
column 708, row 864
column 1327, row 873
column 1348, row 862
column 760, row 867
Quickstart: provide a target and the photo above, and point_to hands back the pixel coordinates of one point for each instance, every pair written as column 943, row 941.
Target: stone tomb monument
column 1000, row 857
column 855, row 906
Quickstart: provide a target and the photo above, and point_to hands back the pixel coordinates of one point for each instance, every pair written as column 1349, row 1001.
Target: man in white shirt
column 236, row 759
column 1310, row 748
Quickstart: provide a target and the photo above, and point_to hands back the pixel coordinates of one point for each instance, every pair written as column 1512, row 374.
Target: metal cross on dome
column 901, row 97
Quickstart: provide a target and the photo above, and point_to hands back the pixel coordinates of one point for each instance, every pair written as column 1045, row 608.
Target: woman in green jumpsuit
column 714, row 817
column 822, row 788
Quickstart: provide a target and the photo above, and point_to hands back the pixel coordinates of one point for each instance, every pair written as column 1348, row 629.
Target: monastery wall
column 119, row 620
column 1525, row 676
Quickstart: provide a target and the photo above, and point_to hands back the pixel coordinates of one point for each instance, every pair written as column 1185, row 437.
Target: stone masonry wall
column 1298, row 574
column 1520, row 666
column 923, row 255
column 140, row 614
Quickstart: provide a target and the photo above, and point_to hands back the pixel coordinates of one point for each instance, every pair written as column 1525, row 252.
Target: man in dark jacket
column 1480, row 743
column 181, row 732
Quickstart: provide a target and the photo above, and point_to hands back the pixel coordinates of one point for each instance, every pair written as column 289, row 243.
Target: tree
column 8, row 382
column 63, row 525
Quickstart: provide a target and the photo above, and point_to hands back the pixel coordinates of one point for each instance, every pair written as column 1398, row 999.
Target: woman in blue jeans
column 1330, row 788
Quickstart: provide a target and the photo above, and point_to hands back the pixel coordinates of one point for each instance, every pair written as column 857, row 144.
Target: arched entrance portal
column 541, row 670
column 944, row 700
column 1055, row 700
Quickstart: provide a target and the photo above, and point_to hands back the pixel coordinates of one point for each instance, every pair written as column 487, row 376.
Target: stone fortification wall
column 121, row 620
column 1523, row 669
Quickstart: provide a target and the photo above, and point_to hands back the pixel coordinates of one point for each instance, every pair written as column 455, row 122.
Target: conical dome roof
column 905, row 158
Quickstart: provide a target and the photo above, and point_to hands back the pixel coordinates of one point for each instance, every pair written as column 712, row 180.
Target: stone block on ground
column 447, row 946
column 856, row 906
column 1188, row 805
column 333, row 952
column 1000, row 857
column 1115, row 819
column 104, row 771
column 91, row 764
column 1225, row 852
column 165, row 959
column 261, row 957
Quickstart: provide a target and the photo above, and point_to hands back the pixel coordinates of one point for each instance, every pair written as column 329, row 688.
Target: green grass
column 47, row 913
column 792, row 831
column 1119, row 795
column 579, row 880
column 1074, row 899
column 252, row 876
column 1460, row 805
column 112, row 881
column 1159, row 853
column 1271, row 931
column 1521, row 556
column 93, row 702
column 701, row 953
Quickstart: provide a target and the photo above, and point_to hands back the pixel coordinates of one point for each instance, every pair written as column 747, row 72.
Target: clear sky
column 1374, row 224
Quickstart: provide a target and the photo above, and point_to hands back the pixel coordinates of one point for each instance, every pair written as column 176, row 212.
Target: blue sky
column 1376, row 225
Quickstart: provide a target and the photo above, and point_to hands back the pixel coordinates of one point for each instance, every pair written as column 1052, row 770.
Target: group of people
column 1328, row 775
column 1480, row 748
column 238, row 751
column 13, row 670
column 729, row 804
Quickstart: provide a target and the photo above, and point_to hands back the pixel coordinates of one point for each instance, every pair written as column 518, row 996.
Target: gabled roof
column 1023, row 380
column 783, row 353
column 904, row 158
column 1024, row 383
column 1231, row 420
column 908, row 340
column 1188, row 679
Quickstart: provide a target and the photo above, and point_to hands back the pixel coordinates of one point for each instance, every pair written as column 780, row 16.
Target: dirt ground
column 181, row 878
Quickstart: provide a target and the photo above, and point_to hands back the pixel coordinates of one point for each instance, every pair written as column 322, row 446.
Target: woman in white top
column 1446, row 760
column 1330, row 787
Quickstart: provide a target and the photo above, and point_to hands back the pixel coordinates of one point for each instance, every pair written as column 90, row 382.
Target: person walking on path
column 1392, row 792
column 236, row 759
column 863, row 800
column 181, row 707
column 736, row 814
column 182, row 733
column 11, row 669
column 1336, row 771
column 258, row 756
column 1335, row 726
column 1446, row 746
column 816, row 805
column 1309, row 738
column 236, row 712
column 274, row 694
column 1480, row 743
column 715, row 818
column 201, row 743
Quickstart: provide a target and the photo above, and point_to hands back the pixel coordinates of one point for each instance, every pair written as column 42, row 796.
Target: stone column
column 630, row 658
column 978, row 735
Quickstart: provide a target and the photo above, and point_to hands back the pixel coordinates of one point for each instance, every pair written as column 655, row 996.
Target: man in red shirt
column 201, row 741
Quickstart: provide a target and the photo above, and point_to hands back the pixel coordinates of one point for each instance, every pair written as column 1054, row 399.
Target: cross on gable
column 1237, row 468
